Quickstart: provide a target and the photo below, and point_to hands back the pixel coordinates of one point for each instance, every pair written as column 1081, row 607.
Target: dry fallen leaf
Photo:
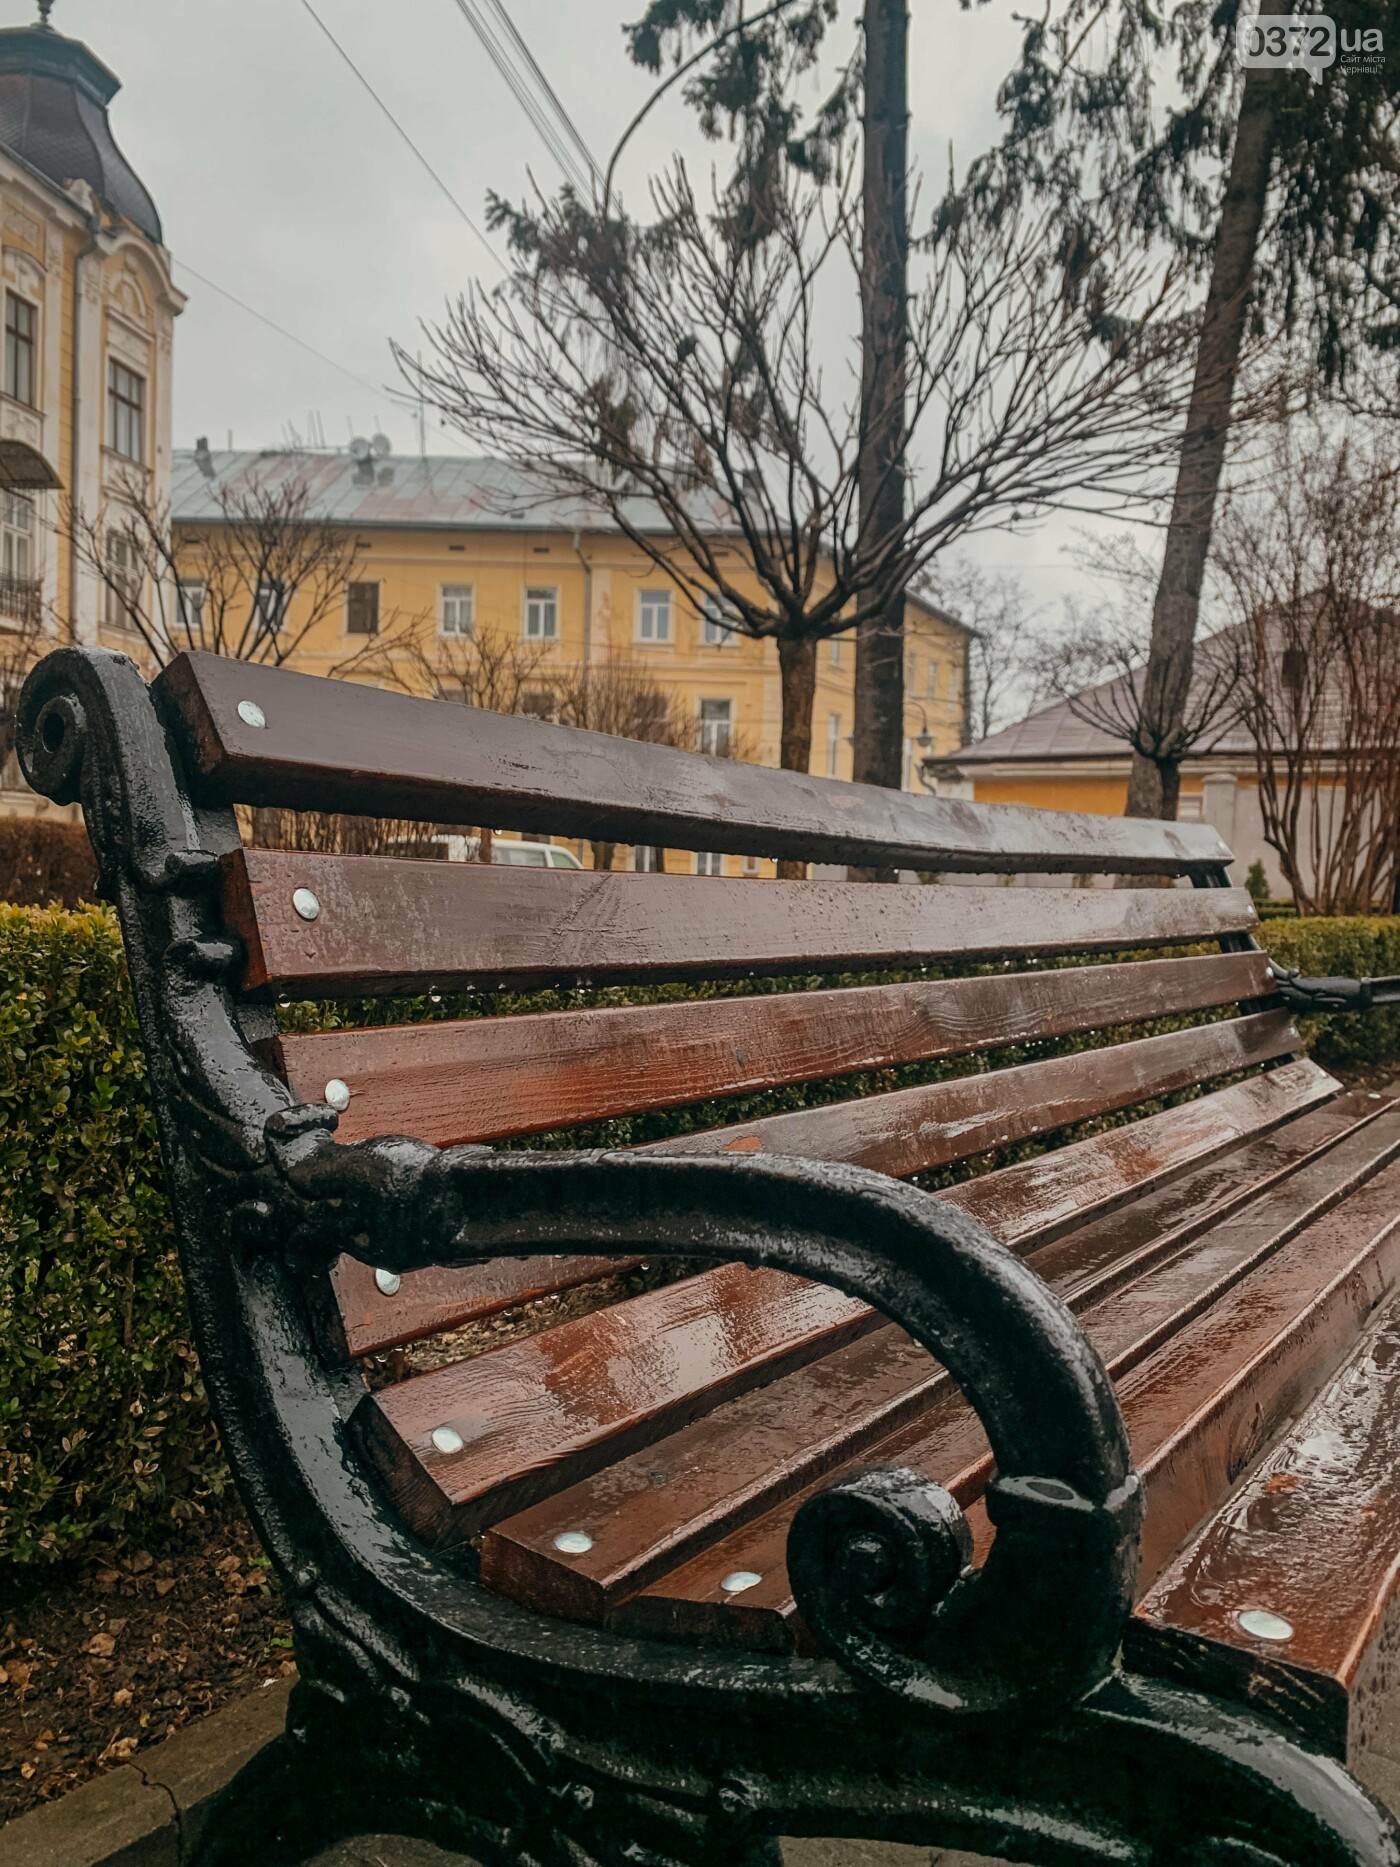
column 101, row 1646
column 122, row 1695
column 120, row 1749
column 26, row 1770
column 165, row 1584
column 17, row 1672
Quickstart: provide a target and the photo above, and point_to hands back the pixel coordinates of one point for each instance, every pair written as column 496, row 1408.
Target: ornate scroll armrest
column 1304, row 994
column 881, row 1563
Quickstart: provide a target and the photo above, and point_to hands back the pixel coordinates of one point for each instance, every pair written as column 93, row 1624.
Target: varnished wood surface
column 339, row 745
column 1211, row 1349
column 535, row 1413
column 908, row 1131
column 1312, row 1536
column 489, row 1078
column 645, row 1513
column 387, row 925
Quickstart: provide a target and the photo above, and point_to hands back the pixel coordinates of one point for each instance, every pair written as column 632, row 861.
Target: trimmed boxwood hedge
column 104, row 1430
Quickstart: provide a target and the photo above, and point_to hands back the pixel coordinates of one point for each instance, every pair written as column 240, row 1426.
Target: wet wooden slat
column 645, row 1513
column 908, row 1131
column 339, row 745
column 556, row 1405
column 1213, row 1351
column 1313, row 1536
column 426, row 1302
column 490, row 1078
column 386, row 925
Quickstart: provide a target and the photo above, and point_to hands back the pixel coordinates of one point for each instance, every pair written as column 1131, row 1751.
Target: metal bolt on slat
column 306, row 904
column 387, row 1283
column 447, row 1439
column 1260, row 1624
column 741, row 1579
column 337, row 1093
column 251, row 713
column 573, row 1542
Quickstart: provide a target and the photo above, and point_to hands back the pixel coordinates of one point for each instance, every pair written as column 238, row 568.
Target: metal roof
column 54, row 95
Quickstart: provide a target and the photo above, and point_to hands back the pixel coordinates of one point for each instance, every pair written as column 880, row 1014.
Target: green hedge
column 104, row 1431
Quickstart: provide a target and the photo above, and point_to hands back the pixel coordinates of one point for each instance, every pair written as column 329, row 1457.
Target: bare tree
column 21, row 640
column 1098, row 664
column 252, row 583
column 667, row 379
column 1310, row 561
column 1003, row 645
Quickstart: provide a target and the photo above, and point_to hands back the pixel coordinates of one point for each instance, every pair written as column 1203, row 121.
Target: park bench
column 749, row 1489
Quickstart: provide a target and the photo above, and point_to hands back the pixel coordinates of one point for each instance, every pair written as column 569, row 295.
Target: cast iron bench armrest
column 1303, row 994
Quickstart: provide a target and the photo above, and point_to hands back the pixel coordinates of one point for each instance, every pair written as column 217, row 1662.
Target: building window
column 123, row 582
column 716, row 726
column 21, row 331
column 932, row 679
column 458, row 608
column 753, row 865
column 708, row 862
column 716, row 622
column 190, row 593
column 538, row 703
column 126, row 411
column 362, row 609
column 833, row 743
column 16, row 538
column 654, row 616
column 911, row 672
column 645, row 860
column 908, row 779
column 270, row 607
column 651, row 717
column 834, row 652
column 541, row 615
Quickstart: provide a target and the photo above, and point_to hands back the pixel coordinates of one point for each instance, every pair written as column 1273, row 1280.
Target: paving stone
column 195, row 1764
column 388, row 1851
column 117, row 1820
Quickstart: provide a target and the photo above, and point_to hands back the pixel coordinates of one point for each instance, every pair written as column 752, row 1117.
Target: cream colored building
column 89, row 311
column 453, row 547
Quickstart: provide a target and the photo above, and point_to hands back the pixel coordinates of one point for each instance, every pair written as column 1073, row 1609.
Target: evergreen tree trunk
column 797, row 668
column 1154, row 784
column 879, row 686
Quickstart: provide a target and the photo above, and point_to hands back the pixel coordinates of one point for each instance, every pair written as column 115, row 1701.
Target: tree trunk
column 797, row 668
column 879, row 687
column 1166, row 685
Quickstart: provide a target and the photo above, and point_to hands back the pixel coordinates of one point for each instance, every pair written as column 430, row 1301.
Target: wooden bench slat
column 1211, row 1351
column 386, row 925
column 370, row 1318
column 338, row 745
column 558, row 1404
column 909, row 1131
column 645, row 1513
column 554, row 1432
column 1313, row 1536
column 487, row 1079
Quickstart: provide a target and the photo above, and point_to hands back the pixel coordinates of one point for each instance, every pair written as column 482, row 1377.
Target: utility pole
column 879, row 694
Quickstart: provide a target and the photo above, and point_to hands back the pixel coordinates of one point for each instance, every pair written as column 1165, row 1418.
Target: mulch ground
column 97, row 1663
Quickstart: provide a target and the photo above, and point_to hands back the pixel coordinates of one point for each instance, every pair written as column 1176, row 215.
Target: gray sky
column 279, row 180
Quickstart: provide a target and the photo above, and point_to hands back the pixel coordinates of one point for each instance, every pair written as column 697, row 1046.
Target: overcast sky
column 279, row 181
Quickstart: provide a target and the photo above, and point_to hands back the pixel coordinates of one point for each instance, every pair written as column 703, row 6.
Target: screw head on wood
column 1260, row 1624
column 337, row 1093
column 387, row 1283
column 447, row 1439
column 306, row 904
column 251, row 713
column 741, row 1579
column 573, row 1542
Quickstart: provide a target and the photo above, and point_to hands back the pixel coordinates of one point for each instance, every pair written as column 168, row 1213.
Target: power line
column 522, row 87
column 571, row 128
column 403, row 133
column 381, row 389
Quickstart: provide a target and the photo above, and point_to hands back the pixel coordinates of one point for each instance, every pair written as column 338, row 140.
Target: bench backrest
column 317, row 925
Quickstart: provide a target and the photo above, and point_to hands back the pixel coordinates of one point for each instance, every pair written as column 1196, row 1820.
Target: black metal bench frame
column 986, row 1709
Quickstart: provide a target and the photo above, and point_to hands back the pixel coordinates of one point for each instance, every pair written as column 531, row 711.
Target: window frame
column 352, row 585
column 715, row 700
column 833, row 745
column 126, row 411
column 709, row 862
column 114, row 616
column 456, row 593
column 536, row 593
column 182, row 605
column 712, row 614
column 656, row 598
column 28, row 341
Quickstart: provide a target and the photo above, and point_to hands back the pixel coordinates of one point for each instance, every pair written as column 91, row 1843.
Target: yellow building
column 89, row 310
column 448, row 548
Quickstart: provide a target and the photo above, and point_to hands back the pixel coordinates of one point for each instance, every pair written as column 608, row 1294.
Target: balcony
column 21, row 600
